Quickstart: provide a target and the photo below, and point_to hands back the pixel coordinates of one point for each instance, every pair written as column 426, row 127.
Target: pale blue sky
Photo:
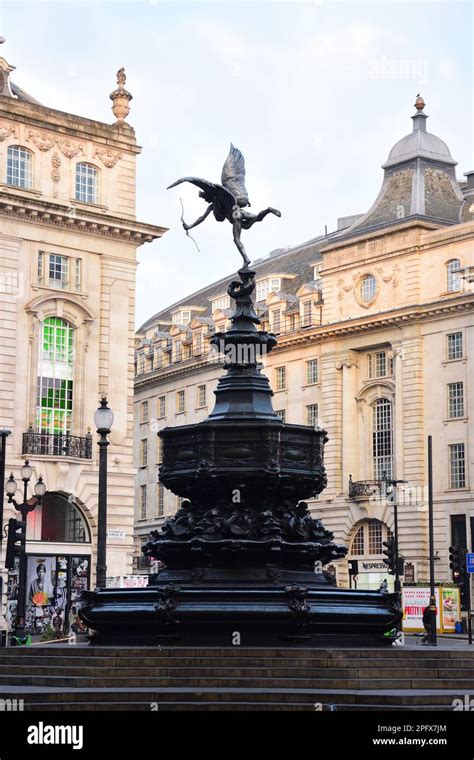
column 314, row 94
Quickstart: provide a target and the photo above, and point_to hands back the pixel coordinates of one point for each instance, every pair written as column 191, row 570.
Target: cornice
column 55, row 215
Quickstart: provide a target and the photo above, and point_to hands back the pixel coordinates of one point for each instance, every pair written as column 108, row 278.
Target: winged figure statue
column 228, row 200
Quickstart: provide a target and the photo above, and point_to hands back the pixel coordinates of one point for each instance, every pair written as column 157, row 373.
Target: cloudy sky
column 313, row 93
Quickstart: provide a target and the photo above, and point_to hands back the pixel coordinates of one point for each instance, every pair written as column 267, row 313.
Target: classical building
column 68, row 244
column 375, row 339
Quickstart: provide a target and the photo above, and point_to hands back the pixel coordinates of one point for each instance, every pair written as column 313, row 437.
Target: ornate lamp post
column 103, row 419
column 28, row 505
column 4, row 433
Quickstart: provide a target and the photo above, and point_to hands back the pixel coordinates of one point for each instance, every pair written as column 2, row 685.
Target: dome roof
column 419, row 144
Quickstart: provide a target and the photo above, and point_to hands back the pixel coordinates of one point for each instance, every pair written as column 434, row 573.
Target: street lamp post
column 27, row 505
column 103, row 419
column 3, row 456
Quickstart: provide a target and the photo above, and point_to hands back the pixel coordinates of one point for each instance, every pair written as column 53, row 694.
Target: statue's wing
column 233, row 175
column 212, row 192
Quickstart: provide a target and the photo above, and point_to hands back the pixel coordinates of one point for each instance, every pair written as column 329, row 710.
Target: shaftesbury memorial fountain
column 243, row 555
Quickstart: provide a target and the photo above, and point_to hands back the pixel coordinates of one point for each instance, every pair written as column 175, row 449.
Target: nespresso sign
column 372, row 566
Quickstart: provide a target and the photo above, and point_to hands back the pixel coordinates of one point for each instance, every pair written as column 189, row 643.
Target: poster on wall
column 80, row 568
column 450, row 608
column 414, row 601
column 40, row 594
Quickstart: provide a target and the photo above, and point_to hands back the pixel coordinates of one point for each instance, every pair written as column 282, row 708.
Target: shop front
column 58, row 569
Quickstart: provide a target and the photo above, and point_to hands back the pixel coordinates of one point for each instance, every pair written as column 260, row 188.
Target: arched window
column 87, row 183
column 19, row 166
column 453, row 280
column 368, row 288
column 382, row 439
column 357, row 547
column 55, row 376
column 61, row 520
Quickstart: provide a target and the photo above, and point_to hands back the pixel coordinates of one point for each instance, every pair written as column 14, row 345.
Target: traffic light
column 455, row 562
column 16, row 541
column 390, row 558
column 353, row 567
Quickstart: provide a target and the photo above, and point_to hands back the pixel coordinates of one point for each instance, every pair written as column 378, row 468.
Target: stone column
column 348, row 364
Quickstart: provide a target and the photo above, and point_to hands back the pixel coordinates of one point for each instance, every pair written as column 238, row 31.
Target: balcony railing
column 359, row 489
column 57, row 444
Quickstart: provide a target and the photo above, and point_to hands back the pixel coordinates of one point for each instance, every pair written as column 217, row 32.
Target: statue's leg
column 250, row 219
column 237, row 229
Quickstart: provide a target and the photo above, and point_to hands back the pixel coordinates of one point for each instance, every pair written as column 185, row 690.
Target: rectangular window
column 40, row 268
column 455, row 400
column 160, row 500
column 220, row 303
column 159, row 450
column 144, row 411
column 281, row 413
column 455, row 350
column 457, row 466
column 143, row 452
column 276, row 321
column 201, row 395
column 312, row 415
column 177, row 351
column 59, row 272
column 382, row 439
column 77, row 274
column 19, row 167
column 142, row 502
column 280, row 378
column 377, row 364
column 180, row 402
column 161, row 406
column 312, row 371
column 140, row 363
column 307, row 316
column 197, row 344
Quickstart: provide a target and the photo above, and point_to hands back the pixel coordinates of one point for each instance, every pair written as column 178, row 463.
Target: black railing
column 363, row 488
column 57, row 444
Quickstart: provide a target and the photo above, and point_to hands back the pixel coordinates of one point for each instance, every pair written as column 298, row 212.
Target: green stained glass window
column 55, row 377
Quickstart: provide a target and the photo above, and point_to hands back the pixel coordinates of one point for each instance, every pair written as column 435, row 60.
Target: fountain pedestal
column 243, row 556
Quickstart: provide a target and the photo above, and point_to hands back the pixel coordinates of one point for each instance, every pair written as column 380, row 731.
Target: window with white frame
column 221, row 303
column 455, row 400
column 280, row 378
column 177, row 350
column 180, row 402
column 59, row 272
column 160, row 500
column 312, row 415
column 382, row 439
column 159, row 450
column 368, row 288
column 317, row 271
column 87, row 183
column 453, row 280
column 281, row 413
column 307, row 314
column 181, row 317
column 141, row 363
column 379, row 364
column 143, row 452
column 457, row 466
column 143, row 502
column 455, row 347
column 19, row 167
column 144, row 411
column 201, row 396
column 276, row 321
column 197, row 344
column 358, row 547
column 161, row 406
column 375, row 537
column 264, row 287
column 311, row 372
column 55, row 376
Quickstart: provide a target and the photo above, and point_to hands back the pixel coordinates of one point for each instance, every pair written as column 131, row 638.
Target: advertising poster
column 450, row 608
column 40, row 596
column 414, row 601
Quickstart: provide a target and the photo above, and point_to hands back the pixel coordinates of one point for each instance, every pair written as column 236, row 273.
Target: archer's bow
column 183, row 223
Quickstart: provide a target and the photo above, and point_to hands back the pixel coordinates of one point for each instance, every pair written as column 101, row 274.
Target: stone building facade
column 68, row 244
column 375, row 340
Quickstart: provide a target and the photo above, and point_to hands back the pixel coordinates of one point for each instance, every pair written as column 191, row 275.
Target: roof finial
column 419, row 103
column 121, row 98
column 2, row 40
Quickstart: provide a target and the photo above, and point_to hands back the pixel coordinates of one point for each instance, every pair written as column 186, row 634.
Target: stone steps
column 83, row 678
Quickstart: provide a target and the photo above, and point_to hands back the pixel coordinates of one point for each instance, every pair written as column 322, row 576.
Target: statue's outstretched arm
column 200, row 219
